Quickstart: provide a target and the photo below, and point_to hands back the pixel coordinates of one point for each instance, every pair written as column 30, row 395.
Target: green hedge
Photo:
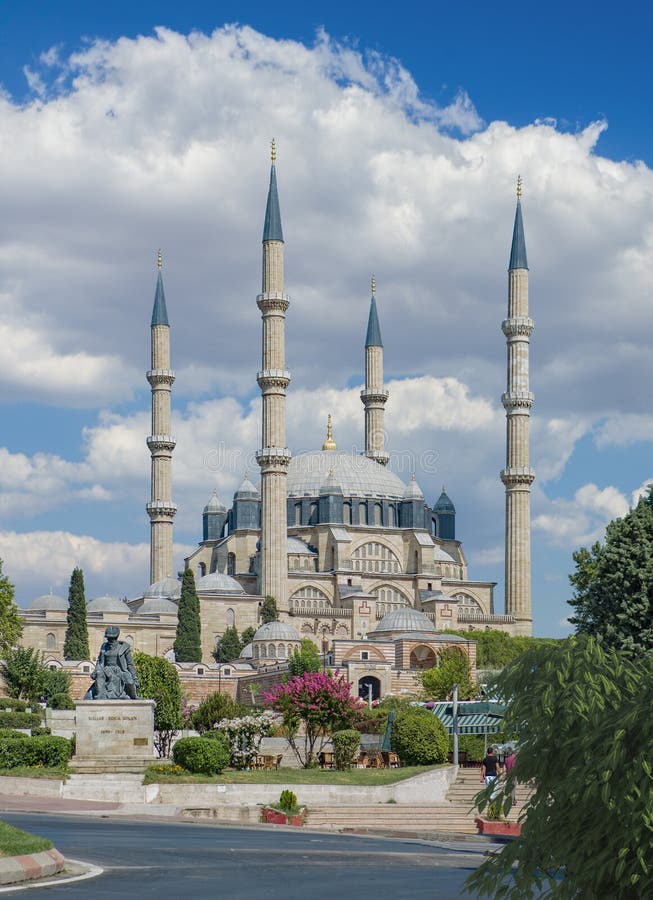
column 198, row 755
column 44, row 750
column 346, row 747
column 10, row 703
column 19, row 719
column 10, row 733
column 420, row 738
column 61, row 701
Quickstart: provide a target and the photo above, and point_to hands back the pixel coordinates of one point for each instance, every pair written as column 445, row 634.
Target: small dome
column 157, row 605
column 219, row 582
column 247, row 652
column 405, row 619
column 444, row 504
column 413, row 490
column 276, row 631
column 168, row 588
column 49, row 603
column 247, row 490
column 107, row 604
column 442, row 555
column 214, row 505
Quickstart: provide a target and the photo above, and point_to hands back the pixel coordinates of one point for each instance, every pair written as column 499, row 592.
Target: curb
column 33, row 865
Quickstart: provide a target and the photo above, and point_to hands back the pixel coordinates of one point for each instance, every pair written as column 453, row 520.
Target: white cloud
column 582, row 520
column 622, row 430
column 641, row 491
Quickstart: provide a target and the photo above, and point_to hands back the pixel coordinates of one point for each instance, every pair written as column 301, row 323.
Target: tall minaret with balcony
column 518, row 400
column 273, row 379
column 161, row 509
column 374, row 395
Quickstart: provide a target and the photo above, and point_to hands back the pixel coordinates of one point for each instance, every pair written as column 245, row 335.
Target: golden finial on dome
column 329, row 444
column 373, row 284
column 159, row 259
column 274, row 151
column 519, row 187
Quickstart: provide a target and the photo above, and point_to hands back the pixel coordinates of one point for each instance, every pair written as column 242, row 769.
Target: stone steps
column 391, row 817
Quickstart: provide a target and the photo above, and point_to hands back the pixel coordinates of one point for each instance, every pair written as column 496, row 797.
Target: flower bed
column 497, row 827
column 276, row 817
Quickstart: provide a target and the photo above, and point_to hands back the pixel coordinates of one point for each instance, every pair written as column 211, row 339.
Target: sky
column 400, row 134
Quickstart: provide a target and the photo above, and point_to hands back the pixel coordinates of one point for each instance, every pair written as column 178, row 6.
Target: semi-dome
column 296, row 545
column 49, row 603
column 107, row 604
column 168, row 588
column 405, row 619
column 219, row 581
column 247, row 652
column 157, row 606
column 357, row 476
column 276, row 631
column 441, row 555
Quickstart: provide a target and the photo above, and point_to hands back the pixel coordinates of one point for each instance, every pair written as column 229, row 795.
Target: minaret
column 273, row 379
column 161, row 509
column 374, row 396
column 518, row 400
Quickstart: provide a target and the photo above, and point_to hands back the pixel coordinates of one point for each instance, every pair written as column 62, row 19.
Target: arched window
column 390, row 597
column 312, row 516
column 391, row 517
column 346, row 513
column 375, row 557
column 231, row 564
column 362, row 513
column 298, row 514
column 377, row 513
column 422, row 657
column 272, row 652
column 231, row 618
column 201, row 570
column 264, row 651
column 467, row 603
column 50, row 642
column 281, row 652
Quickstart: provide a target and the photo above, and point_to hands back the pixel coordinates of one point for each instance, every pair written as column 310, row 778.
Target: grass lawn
column 57, row 773
column 163, row 773
column 14, row 842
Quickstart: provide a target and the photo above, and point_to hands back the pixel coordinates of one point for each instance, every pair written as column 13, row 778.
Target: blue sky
column 400, row 131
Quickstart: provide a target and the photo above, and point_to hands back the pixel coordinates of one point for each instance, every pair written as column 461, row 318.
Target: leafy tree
column 304, row 659
column 76, row 641
column 496, row 649
column 583, row 715
column 158, row 680
column 247, row 636
column 57, row 681
column 319, row 702
column 613, row 583
column 228, row 647
column 419, row 738
column 24, row 672
column 213, row 709
column 188, row 641
column 11, row 628
column 453, row 669
column 269, row 611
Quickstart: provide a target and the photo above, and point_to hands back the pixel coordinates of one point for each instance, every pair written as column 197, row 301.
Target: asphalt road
column 145, row 859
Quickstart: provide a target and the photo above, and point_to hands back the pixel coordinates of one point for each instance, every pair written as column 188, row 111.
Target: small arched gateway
column 422, row 657
column 367, row 683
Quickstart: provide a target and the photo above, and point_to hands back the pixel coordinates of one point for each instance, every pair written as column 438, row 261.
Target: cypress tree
column 228, row 647
column 76, row 640
column 188, row 642
column 269, row 612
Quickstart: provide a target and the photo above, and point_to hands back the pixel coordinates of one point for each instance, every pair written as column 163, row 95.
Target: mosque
column 357, row 560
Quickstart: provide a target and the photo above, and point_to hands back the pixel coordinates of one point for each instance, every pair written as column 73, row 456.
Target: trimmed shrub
column 288, row 800
column 346, row 747
column 61, row 701
column 216, row 707
column 198, row 755
column 214, row 735
column 44, row 750
column 419, row 738
column 41, row 730
column 15, row 705
column 10, row 733
column 19, row 719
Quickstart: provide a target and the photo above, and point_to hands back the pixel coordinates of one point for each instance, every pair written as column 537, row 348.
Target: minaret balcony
column 160, row 376
column 374, row 395
column 518, row 326
column 160, row 509
column 273, row 301
column 161, row 442
column 513, row 400
column 515, row 476
column 273, row 378
column 379, row 456
column 274, row 459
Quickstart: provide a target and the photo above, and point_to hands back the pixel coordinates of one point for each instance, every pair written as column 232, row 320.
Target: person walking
column 490, row 767
column 509, row 764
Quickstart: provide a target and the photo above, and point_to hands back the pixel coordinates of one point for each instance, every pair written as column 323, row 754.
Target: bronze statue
column 114, row 676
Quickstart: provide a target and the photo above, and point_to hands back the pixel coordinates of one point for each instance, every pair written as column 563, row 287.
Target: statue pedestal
column 113, row 735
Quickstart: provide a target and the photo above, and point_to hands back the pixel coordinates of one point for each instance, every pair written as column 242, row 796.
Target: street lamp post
column 455, row 725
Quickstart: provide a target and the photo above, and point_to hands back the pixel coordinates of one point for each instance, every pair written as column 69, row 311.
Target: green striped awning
column 483, row 717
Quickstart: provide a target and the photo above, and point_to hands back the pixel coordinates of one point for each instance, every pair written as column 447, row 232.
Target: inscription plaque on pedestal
column 114, row 735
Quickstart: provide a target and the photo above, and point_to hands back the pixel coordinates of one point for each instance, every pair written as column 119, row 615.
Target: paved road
column 176, row 860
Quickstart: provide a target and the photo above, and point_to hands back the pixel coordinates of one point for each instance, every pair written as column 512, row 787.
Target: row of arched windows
column 375, row 557
column 272, row 651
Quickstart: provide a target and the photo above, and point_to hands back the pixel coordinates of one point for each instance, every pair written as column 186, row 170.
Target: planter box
column 497, row 827
column 276, row 817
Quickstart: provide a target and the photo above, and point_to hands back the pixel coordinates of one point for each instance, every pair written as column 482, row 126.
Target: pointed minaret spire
column 273, row 379
column 329, row 444
column 161, row 509
column 518, row 401
column 374, row 396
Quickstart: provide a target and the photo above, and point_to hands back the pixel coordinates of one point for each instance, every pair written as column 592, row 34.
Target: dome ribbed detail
column 276, row 631
column 405, row 619
column 357, row 476
column 219, row 581
column 49, row 603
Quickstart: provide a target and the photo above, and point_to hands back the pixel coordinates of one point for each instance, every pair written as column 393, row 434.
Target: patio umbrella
column 386, row 745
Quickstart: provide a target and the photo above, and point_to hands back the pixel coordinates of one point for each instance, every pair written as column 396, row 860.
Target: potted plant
column 494, row 823
column 286, row 812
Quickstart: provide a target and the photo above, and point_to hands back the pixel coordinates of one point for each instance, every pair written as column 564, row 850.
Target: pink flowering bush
column 312, row 707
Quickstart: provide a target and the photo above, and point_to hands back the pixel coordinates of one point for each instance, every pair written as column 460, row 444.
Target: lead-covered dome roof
column 107, row 604
column 168, row 588
column 276, row 631
column 219, row 581
column 49, row 603
column 405, row 619
column 357, row 476
column 157, row 606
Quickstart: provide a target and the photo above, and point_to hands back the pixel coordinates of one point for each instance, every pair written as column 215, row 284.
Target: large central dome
column 356, row 475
